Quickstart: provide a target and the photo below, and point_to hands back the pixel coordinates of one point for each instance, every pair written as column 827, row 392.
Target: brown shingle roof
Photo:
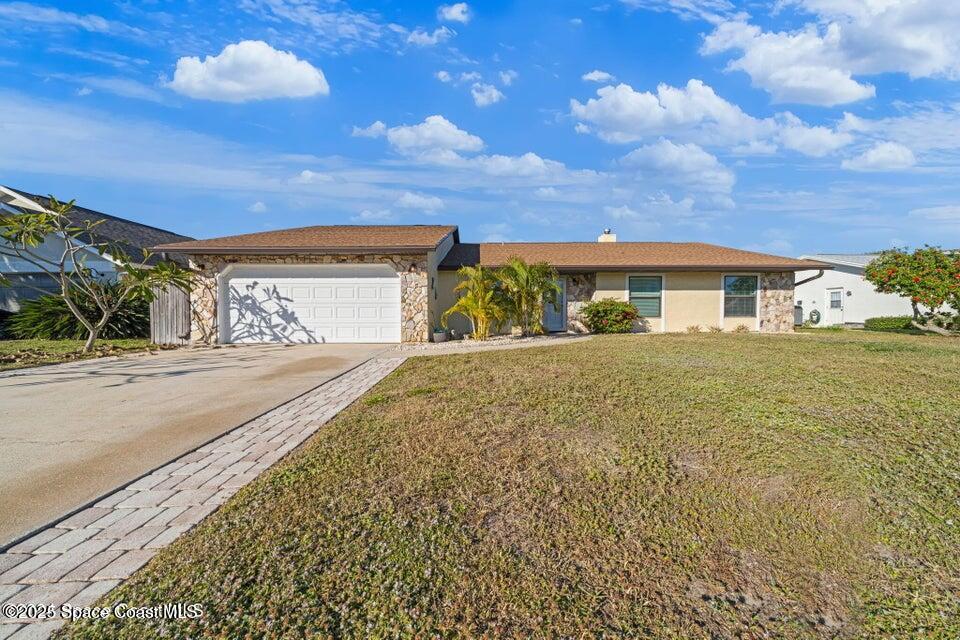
column 323, row 239
column 671, row 256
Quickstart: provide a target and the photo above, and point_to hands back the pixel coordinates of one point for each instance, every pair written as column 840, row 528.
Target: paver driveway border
column 83, row 556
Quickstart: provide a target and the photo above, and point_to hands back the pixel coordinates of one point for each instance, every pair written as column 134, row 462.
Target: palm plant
column 481, row 301
column 527, row 288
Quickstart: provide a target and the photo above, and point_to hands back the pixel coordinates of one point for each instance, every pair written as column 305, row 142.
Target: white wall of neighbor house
column 860, row 300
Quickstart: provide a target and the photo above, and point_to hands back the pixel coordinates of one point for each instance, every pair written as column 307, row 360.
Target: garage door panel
column 351, row 308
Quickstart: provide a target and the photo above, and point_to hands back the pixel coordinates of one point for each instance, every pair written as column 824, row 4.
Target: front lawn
column 16, row 354
column 678, row 486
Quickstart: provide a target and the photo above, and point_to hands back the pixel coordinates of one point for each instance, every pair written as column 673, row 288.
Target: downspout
column 810, row 279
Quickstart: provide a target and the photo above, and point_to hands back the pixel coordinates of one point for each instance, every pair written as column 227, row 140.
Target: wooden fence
column 170, row 317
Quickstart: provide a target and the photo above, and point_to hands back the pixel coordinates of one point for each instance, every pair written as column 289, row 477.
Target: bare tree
column 23, row 234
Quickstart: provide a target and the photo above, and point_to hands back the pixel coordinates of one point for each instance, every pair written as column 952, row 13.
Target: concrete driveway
column 70, row 433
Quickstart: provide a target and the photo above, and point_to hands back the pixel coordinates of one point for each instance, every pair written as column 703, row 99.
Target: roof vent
column 607, row 236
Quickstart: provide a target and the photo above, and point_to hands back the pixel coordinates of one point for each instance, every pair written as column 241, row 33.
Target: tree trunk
column 91, row 340
column 929, row 326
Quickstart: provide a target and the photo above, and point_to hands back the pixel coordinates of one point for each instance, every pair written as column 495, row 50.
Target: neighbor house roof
column 846, row 259
column 132, row 237
column 324, row 239
column 639, row 256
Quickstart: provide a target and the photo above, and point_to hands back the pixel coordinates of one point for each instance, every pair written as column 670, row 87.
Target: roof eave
column 660, row 267
column 286, row 251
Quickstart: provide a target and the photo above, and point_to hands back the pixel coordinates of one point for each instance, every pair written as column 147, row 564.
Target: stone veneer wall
column 580, row 290
column 776, row 302
column 411, row 269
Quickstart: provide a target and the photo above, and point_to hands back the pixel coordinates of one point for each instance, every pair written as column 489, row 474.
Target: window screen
column 835, row 299
column 740, row 296
column 645, row 293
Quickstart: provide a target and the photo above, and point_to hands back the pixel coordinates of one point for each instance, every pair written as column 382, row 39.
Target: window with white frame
column 646, row 293
column 740, row 296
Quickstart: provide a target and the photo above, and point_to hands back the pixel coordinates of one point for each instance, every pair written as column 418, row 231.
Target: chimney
column 607, row 236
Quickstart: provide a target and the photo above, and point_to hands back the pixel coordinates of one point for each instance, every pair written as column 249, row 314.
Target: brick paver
column 85, row 556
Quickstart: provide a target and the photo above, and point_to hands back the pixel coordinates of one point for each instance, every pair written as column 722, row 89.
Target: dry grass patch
column 678, row 486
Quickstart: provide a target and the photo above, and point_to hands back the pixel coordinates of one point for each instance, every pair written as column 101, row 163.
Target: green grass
column 676, row 486
column 16, row 354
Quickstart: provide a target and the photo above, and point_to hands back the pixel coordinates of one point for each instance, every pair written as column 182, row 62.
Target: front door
column 834, row 307
column 555, row 318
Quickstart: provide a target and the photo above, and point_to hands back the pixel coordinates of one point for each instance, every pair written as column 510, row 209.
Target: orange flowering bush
column 929, row 277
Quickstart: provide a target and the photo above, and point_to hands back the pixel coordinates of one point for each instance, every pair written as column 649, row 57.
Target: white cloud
column 582, row 128
column 248, row 70
column 52, row 17
column 84, row 91
column 598, row 76
column 311, row 177
column 421, row 38
column 117, row 85
column 696, row 113
column 485, row 95
column 257, row 207
column 375, row 130
column 683, row 164
column 434, row 133
column 529, row 164
column 443, row 76
column 812, row 141
column 507, row 77
column 469, row 76
column 546, row 192
column 420, row 201
column 622, row 212
column 576, row 22
column 622, row 114
column 457, row 12
column 883, row 156
column 373, row 216
column 817, row 64
column 329, row 26
column 709, row 10
column 949, row 214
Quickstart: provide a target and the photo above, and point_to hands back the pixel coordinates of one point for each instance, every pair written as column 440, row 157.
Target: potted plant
column 439, row 334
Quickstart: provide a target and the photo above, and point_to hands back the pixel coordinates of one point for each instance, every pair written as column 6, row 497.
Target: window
column 645, row 292
column 740, row 296
column 836, row 301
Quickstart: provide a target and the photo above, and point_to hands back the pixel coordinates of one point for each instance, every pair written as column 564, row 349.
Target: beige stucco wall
column 689, row 298
column 434, row 306
column 692, row 298
column 446, row 297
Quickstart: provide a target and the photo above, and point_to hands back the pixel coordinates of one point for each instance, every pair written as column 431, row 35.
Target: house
column 842, row 296
column 388, row 283
column 27, row 278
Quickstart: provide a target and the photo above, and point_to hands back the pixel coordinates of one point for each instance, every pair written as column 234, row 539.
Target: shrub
column 49, row 318
column 694, row 328
column 888, row 323
column 742, row 328
column 716, row 329
column 610, row 316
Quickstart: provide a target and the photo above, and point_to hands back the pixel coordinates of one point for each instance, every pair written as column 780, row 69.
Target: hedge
column 610, row 316
column 888, row 323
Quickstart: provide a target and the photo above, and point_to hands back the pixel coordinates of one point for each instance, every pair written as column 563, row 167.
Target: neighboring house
column 132, row 237
column 390, row 283
column 842, row 296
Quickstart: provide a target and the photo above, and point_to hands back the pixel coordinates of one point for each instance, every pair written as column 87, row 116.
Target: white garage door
column 310, row 304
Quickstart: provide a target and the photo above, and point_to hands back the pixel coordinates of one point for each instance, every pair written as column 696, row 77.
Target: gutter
column 660, row 267
column 200, row 251
column 810, row 279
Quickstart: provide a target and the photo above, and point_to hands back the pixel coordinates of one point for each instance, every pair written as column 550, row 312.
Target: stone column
column 580, row 290
column 776, row 302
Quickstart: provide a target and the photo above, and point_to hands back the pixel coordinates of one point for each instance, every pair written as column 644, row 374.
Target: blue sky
column 792, row 127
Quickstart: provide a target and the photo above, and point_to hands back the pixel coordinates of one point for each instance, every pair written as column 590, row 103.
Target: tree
column 528, row 287
column 23, row 234
column 481, row 301
column 929, row 277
